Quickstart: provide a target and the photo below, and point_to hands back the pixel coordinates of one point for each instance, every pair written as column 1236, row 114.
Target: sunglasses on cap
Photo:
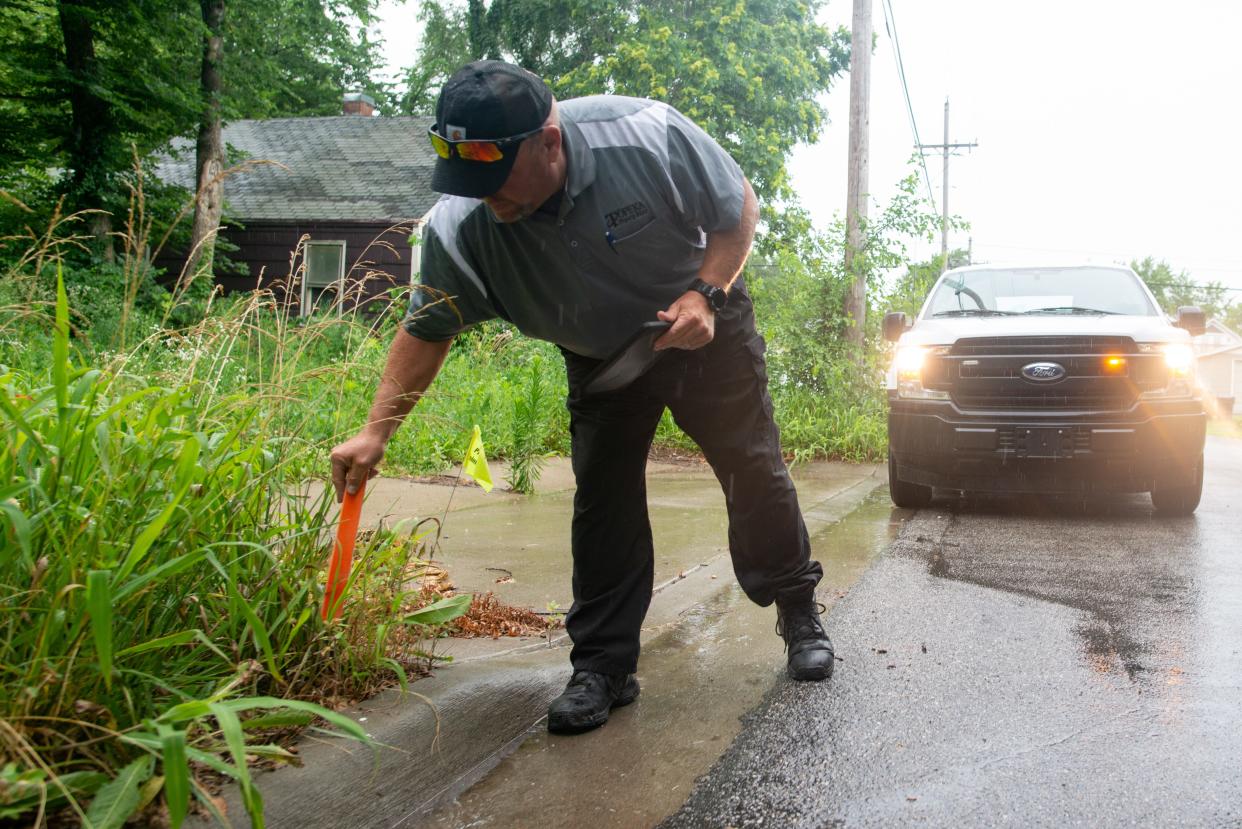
column 486, row 151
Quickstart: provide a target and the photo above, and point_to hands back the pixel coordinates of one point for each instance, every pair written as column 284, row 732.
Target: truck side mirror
column 895, row 324
column 1188, row 317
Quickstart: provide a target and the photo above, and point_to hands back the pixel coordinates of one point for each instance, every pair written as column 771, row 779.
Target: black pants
column 719, row 396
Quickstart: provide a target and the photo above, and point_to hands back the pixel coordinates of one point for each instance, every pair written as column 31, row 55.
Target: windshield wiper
column 974, row 312
column 1068, row 309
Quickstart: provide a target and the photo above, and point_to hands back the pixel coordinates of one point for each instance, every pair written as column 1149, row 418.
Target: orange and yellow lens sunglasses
column 486, row 151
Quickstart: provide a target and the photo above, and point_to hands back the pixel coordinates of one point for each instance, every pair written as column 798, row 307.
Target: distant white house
column 1219, row 350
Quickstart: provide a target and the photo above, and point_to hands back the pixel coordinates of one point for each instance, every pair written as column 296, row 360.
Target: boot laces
column 801, row 622
column 584, row 678
column 588, row 680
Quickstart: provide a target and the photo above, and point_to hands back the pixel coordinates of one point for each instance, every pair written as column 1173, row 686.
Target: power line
column 890, row 26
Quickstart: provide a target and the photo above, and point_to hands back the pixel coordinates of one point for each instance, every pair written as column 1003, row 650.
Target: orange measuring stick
column 342, row 553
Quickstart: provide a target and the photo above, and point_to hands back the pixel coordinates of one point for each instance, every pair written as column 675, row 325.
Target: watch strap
column 716, row 297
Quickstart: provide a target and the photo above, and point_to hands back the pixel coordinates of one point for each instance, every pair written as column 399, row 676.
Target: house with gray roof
column 1219, row 367
column 324, row 207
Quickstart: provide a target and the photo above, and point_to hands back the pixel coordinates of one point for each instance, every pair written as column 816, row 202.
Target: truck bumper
column 936, row 444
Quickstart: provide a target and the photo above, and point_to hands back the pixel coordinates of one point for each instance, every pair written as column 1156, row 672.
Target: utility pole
column 856, row 197
column 944, row 196
column 944, row 186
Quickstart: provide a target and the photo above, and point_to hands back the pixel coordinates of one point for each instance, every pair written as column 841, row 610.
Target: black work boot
column 588, row 699
column 810, row 651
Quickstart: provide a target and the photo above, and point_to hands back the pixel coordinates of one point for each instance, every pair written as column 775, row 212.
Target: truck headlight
column 908, row 365
column 1179, row 360
column 909, row 362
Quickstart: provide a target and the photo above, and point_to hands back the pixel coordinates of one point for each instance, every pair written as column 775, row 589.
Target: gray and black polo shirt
column 645, row 185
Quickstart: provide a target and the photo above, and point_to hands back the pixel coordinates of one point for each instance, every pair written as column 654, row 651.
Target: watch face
column 716, row 298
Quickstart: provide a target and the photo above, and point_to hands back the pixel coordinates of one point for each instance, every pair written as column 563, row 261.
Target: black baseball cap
column 486, row 99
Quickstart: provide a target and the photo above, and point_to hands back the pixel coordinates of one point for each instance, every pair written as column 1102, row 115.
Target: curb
column 455, row 726
column 430, row 744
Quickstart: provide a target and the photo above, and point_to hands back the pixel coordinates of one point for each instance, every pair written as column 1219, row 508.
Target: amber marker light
column 1114, row 365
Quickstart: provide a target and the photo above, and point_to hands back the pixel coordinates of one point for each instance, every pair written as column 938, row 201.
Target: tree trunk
column 209, row 151
column 88, row 136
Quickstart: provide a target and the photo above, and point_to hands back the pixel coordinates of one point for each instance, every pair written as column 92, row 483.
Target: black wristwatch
column 716, row 297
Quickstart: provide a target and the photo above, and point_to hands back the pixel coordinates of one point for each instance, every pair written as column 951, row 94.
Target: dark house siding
column 377, row 254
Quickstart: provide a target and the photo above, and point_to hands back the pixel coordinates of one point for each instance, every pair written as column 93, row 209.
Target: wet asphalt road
column 1017, row 663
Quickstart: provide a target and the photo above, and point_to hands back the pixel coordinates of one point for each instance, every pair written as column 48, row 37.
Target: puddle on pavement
column 521, row 551
column 531, row 566
column 699, row 677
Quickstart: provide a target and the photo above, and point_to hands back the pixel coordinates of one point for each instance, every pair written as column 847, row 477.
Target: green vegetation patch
column 160, row 579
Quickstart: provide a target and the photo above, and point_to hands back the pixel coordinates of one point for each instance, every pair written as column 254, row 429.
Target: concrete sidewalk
column 462, row 722
column 518, row 547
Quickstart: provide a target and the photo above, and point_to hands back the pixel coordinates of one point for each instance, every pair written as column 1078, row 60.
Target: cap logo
column 453, row 133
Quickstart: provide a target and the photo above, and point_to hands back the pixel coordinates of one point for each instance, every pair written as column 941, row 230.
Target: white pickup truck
column 1045, row 380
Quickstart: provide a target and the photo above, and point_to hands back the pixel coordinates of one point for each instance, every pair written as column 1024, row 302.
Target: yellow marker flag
column 475, row 464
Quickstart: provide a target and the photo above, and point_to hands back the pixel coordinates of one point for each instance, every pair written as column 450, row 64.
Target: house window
column 323, row 280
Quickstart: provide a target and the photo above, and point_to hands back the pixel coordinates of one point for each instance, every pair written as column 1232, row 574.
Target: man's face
column 532, row 180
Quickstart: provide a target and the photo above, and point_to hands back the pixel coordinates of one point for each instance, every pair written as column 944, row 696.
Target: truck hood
column 948, row 330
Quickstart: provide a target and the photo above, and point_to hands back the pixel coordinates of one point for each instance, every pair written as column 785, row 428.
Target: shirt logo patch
column 626, row 215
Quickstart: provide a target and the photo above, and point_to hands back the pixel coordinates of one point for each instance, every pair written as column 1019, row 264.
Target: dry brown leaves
column 490, row 617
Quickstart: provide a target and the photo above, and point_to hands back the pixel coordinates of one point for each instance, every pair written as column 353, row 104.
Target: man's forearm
column 727, row 249
column 412, row 365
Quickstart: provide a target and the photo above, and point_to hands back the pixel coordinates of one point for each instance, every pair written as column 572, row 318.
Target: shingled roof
column 342, row 168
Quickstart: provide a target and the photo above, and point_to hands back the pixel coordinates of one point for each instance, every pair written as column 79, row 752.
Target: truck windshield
column 1031, row 291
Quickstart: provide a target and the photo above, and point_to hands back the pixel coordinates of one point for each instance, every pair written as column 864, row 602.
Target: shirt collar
column 579, row 157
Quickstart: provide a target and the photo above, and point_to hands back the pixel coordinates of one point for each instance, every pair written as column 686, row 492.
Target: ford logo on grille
column 1043, row 372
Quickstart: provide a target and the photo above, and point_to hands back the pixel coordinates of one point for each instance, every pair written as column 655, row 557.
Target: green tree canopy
column 1174, row 289
column 748, row 71
column 910, row 290
column 81, row 81
column 84, row 83
column 445, row 46
column 296, row 57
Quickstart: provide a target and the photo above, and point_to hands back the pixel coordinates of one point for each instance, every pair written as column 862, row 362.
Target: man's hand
column 694, row 323
column 355, row 461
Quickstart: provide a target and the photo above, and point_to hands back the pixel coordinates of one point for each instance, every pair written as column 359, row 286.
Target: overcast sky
column 1106, row 130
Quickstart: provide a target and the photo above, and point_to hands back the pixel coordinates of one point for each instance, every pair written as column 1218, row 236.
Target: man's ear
column 551, row 138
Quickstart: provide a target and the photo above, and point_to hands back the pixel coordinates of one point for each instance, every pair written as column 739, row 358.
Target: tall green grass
column 160, row 566
column 814, row 425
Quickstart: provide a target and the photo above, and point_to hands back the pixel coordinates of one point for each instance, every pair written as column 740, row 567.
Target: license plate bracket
column 1045, row 442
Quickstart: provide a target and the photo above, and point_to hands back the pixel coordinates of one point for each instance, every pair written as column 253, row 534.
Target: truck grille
column 1101, row 373
column 1042, row 346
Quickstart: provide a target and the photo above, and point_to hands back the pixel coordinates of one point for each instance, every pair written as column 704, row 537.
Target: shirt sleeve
column 707, row 179
column 448, row 297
